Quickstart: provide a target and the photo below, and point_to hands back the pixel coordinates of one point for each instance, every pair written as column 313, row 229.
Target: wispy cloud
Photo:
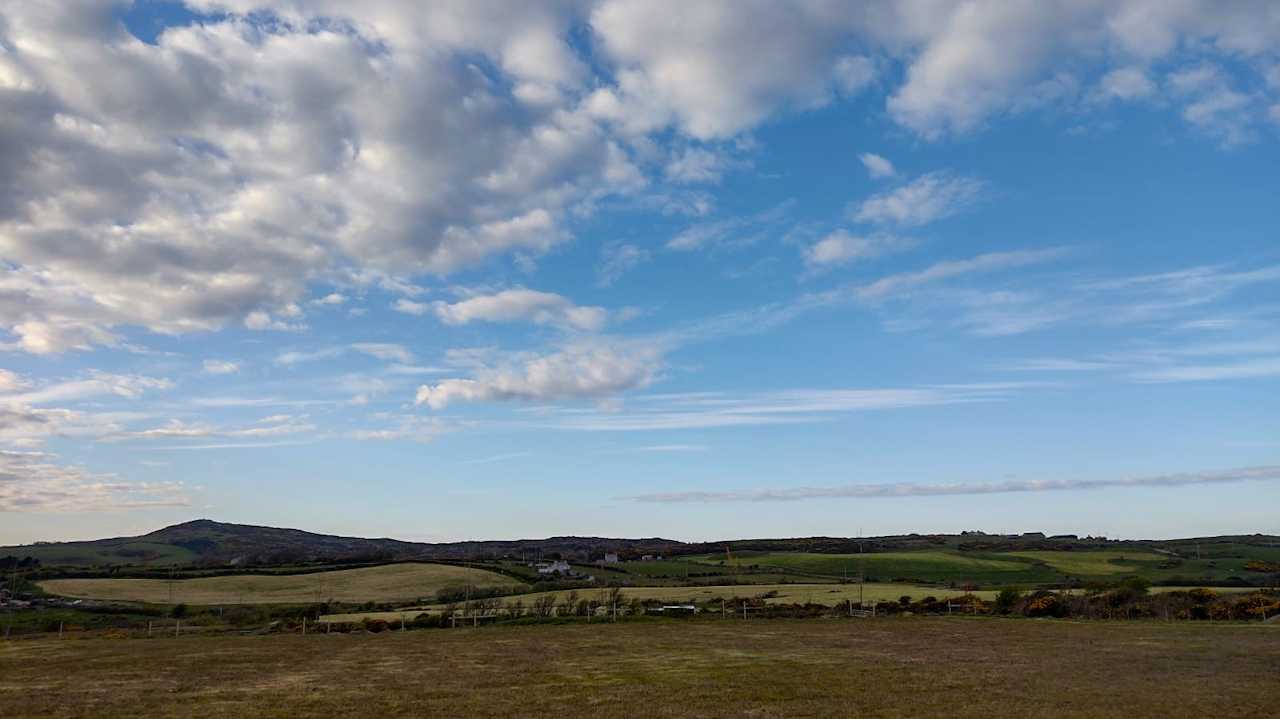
column 884, row 491
column 495, row 458
column 927, row 199
column 709, row 410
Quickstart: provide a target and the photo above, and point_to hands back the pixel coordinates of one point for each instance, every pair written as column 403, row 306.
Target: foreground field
column 825, row 594
column 388, row 583
column 708, row 668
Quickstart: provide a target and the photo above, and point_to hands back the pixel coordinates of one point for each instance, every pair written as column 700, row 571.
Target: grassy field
column 825, row 594
column 1024, row 568
column 89, row 553
column 388, row 583
column 677, row 668
column 927, row 565
column 1096, row 563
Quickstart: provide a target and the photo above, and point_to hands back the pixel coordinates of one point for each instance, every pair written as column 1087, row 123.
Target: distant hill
column 209, row 543
column 204, row 542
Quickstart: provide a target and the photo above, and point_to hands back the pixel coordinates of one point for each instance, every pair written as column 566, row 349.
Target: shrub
column 1007, row 599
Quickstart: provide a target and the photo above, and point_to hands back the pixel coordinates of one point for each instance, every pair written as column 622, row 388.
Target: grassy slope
column 957, row 668
column 390, row 583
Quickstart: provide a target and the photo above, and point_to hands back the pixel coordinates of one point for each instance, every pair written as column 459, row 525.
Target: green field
column 958, row 668
column 825, row 594
column 1022, row 568
column 1096, row 563
column 925, row 565
column 388, row 583
column 101, row 554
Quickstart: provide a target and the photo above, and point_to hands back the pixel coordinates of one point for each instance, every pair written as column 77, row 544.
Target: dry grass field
column 388, row 583
column 675, row 668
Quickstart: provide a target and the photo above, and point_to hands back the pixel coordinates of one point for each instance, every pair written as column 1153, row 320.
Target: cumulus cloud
column 206, row 178
column 577, row 372
column 926, row 199
column 209, row 177
column 882, row 491
column 544, row 308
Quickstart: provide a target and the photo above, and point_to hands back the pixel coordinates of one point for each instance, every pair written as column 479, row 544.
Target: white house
column 611, row 558
column 557, row 567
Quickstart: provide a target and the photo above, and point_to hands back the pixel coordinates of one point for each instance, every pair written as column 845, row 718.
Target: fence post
column 177, row 627
column 744, row 610
column 148, row 630
column 59, row 630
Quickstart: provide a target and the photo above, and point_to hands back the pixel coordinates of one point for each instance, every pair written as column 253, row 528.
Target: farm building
column 611, row 558
column 557, row 567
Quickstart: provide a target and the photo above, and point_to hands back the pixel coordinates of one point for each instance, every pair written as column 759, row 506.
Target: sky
column 699, row 270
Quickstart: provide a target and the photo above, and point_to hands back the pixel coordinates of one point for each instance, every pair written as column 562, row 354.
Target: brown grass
column 700, row 668
column 388, row 583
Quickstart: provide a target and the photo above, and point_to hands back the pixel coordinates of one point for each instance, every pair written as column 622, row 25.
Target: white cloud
column 616, row 260
column 1249, row 369
column 93, row 384
column 576, row 372
column 11, row 381
column 214, row 176
column 840, row 247
column 926, row 199
column 331, row 299
column 876, row 165
column 1213, row 104
column 295, row 357
column 212, row 366
column 799, row 406
column 696, row 165
column 36, row 482
column 729, row 231
column 409, row 307
column 854, row 73
column 891, row 490
column 405, row 428
column 259, row 321
column 1055, row 364
column 156, row 186
column 522, row 305
column 384, row 351
column 991, row 261
column 177, row 429
column 1126, row 83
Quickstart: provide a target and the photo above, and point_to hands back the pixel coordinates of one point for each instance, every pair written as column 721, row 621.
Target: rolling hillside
column 204, row 546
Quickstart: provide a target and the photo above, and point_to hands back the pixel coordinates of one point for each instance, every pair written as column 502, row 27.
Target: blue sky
column 700, row 271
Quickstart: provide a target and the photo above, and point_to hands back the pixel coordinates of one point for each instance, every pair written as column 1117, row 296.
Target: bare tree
column 544, row 606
